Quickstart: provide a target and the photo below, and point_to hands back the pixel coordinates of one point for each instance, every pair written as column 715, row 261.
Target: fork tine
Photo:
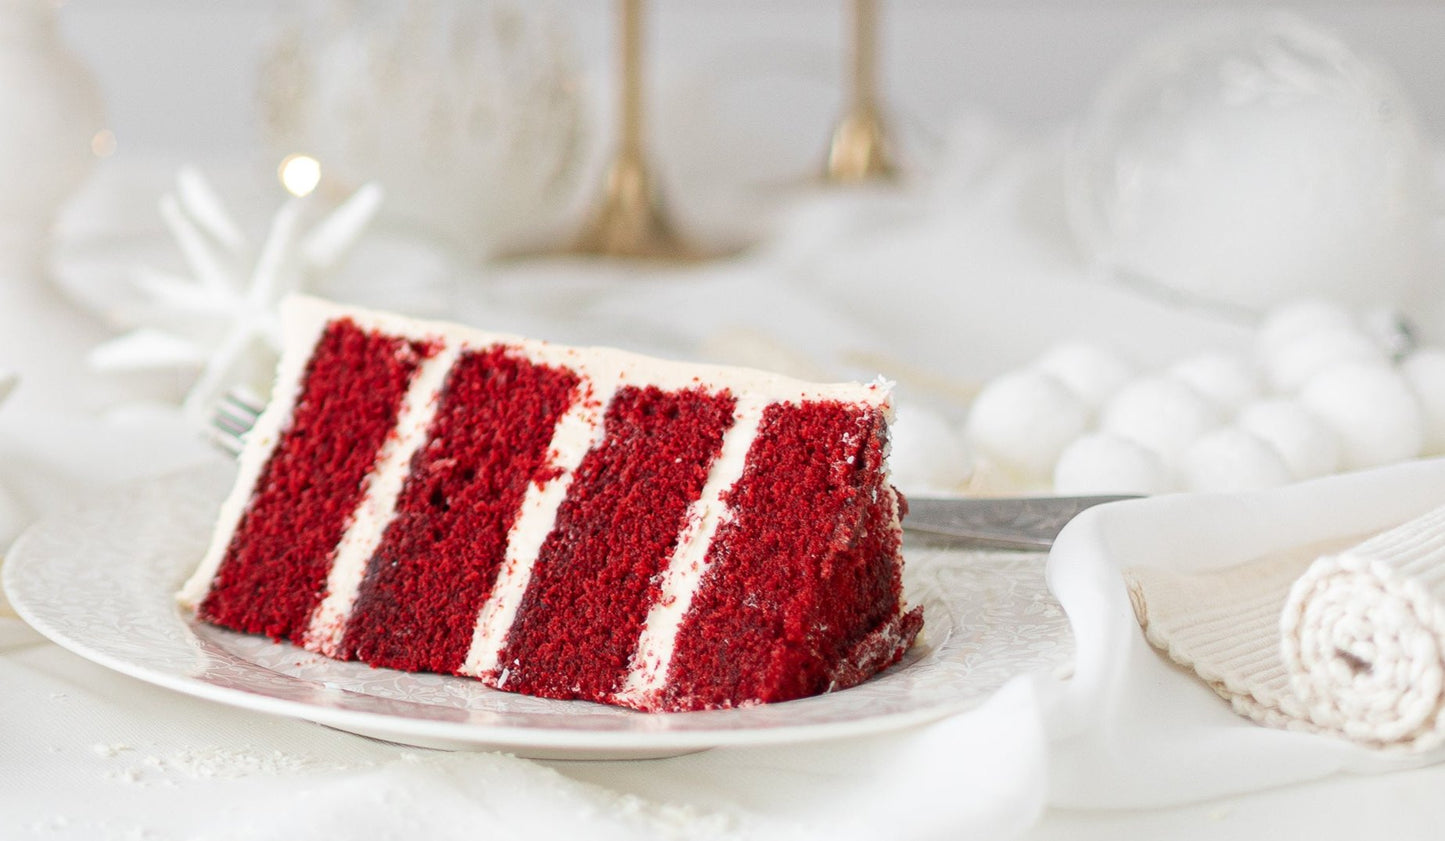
column 229, row 442
column 231, row 426
column 243, row 400
column 229, row 416
column 232, row 417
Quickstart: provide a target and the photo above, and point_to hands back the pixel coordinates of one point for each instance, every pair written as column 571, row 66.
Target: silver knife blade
column 1029, row 523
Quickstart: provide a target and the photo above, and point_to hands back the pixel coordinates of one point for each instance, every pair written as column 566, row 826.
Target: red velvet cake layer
column 274, row 572
column 598, row 572
column 439, row 557
column 783, row 603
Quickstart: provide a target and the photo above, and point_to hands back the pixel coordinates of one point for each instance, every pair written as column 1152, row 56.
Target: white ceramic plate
column 100, row 582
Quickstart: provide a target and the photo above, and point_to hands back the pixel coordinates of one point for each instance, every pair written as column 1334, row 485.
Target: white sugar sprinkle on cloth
column 1345, row 638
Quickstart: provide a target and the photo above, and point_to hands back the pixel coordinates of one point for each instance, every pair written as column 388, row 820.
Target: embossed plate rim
column 99, row 582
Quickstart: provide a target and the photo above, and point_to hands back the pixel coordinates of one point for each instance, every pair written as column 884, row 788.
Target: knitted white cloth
column 1346, row 641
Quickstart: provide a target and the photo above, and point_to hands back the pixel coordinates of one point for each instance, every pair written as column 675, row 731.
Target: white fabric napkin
column 1343, row 641
column 1132, row 729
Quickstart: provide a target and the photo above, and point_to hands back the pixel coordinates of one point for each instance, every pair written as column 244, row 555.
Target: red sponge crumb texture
column 274, row 572
column 786, row 609
column 439, row 558
column 597, row 574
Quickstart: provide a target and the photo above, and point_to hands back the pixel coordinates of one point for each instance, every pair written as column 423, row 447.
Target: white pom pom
column 926, row 454
column 1293, row 363
column 1231, row 459
column 1286, row 323
column 1372, row 410
column 1307, row 445
column 1424, row 370
column 1089, row 371
column 1023, row 420
column 1101, row 463
column 1162, row 414
column 1225, row 379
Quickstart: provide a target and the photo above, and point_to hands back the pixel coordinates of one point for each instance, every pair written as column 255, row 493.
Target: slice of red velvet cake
column 561, row 522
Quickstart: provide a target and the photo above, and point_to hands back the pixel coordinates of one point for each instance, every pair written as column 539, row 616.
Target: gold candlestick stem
column 629, row 219
column 859, row 150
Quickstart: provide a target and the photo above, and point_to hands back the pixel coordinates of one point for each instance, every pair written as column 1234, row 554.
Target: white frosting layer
column 578, row 431
column 301, row 315
column 603, row 371
column 647, row 674
column 378, row 503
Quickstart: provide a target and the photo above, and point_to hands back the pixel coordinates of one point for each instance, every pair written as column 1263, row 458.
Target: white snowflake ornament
column 222, row 318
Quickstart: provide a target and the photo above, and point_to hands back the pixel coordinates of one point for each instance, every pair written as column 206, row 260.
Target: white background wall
column 180, row 76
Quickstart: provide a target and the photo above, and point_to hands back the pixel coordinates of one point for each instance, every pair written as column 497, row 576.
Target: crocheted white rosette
column 1344, row 641
column 1362, row 638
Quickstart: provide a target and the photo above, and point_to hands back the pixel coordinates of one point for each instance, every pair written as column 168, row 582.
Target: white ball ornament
column 1373, row 411
column 473, row 115
column 1252, row 158
column 1290, row 321
column 1294, row 362
column 926, row 453
column 1102, row 463
column 1023, row 420
column 1160, row 413
column 1227, row 380
column 1230, row 459
column 1424, row 370
column 1307, row 445
column 1092, row 372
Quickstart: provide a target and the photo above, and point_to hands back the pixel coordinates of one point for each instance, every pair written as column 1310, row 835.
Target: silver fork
column 1018, row 523
column 233, row 416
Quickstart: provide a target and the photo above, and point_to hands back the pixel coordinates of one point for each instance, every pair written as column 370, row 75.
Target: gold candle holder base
column 630, row 222
column 859, row 151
